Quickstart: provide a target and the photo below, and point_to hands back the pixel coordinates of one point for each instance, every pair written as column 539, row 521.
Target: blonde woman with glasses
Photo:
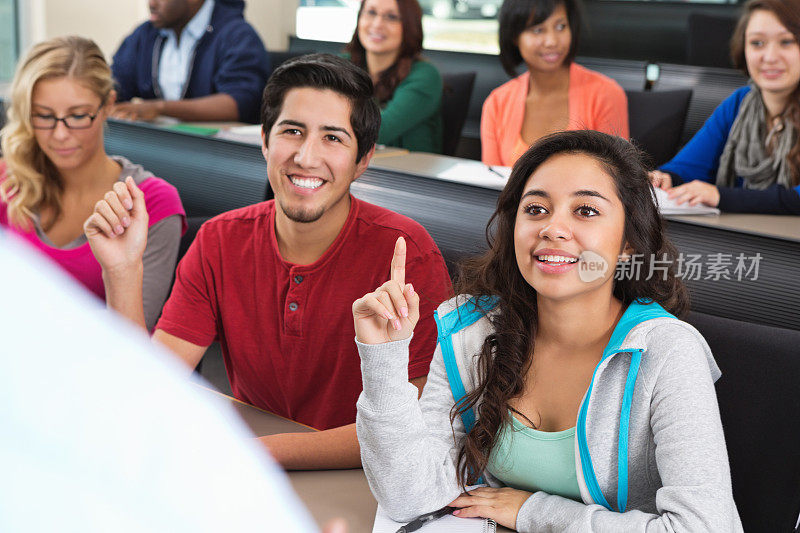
column 55, row 169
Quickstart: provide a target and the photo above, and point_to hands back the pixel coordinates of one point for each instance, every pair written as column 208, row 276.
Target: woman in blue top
column 746, row 157
column 577, row 395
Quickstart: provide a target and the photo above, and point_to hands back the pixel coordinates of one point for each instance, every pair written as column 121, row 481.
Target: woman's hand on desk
column 391, row 312
column 660, row 180
column 695, row 192
column 501, row 505
column 117, row 230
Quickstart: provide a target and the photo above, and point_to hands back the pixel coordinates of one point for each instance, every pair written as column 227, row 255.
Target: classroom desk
column 455, row 213
column 774, row 297
column 212, row 175
column 328, row 494
column 215, row 175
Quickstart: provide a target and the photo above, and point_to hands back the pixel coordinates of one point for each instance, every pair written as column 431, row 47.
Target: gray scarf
column 745, row 152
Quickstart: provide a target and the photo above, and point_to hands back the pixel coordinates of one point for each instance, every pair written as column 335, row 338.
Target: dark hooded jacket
column 229, row 58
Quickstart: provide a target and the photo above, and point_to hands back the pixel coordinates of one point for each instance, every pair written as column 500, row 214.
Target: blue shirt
column 699, row 160
column 176, row 56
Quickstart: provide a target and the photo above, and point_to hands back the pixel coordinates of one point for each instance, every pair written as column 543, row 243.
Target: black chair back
column 277, row 58
column 760, row 407
column 708, row 39
column 656, row 121
column 192, row 227
column 456, row 93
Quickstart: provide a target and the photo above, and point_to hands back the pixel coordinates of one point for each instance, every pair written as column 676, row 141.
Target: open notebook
column 447, row 524
column 669, row 207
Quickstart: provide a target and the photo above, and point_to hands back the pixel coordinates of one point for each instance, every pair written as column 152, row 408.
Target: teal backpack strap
column 464, row 315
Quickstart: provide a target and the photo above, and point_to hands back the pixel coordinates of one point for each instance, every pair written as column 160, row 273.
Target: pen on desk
column 424, row 519
column 493, row 171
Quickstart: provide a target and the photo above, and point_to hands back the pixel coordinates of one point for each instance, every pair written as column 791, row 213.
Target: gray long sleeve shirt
column 678, row 475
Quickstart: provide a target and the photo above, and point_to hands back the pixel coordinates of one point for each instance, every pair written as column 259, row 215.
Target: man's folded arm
column 320, row 450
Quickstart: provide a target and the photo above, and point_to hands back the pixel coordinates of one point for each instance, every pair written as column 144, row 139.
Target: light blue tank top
column 532, row 460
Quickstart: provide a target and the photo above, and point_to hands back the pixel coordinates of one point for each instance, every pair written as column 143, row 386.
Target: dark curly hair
column 506, row 354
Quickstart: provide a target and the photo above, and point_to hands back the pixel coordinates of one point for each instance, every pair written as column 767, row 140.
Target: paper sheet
column 669, row 207
column 474, row 173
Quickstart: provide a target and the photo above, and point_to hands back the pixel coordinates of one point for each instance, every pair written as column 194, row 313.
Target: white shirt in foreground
column 101, row 431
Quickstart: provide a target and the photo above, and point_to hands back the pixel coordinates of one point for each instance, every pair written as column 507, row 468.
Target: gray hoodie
column 677, row 464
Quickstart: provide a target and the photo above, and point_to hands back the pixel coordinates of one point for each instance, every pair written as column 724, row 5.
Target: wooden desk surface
column 328, row 494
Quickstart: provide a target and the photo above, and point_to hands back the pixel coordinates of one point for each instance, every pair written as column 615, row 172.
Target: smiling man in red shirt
column 274, row 282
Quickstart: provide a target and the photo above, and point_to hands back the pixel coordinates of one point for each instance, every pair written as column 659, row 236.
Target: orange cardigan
column 596, row 102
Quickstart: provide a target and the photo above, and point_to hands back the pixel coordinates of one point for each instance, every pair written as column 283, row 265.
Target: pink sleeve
column 162, row 201
column 3, row 206
column 611, row 110
column 490, row 143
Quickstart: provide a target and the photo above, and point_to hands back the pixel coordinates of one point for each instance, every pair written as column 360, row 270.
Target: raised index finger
column 398, row 273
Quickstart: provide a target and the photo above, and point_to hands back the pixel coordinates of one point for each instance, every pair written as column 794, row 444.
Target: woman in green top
column 387, row 43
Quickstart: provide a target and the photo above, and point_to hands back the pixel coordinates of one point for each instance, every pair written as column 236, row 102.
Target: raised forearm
column 320, row 450
column 124, row 292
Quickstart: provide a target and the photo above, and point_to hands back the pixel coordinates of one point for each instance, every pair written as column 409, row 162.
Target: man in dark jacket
column 195, row 60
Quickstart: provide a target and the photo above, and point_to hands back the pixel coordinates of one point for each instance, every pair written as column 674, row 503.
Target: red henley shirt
column 286, row 330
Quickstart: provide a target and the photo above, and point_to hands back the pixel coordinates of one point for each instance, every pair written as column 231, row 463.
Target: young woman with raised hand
column 582, row 401
column 388, row 43
column 56, row 169
column 555, row 93
column 746, row 157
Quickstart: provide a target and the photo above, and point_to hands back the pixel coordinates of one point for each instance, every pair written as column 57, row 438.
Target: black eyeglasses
column 76, row 121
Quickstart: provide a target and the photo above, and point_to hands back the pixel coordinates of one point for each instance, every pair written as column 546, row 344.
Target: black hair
column 326, row 71
column 518, row 15
column 505, row 357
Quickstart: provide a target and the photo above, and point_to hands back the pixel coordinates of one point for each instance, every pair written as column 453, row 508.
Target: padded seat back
column 456, row 94
column 656, row 121
column 759, row 403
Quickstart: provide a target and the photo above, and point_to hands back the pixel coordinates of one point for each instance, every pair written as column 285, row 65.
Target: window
column 8, row 39
column 462, row 25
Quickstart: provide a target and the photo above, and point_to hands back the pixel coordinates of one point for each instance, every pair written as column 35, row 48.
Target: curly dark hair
column 506, row 354
column 410, row 50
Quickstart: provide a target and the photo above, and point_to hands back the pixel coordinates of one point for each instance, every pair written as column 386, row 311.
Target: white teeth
column 307, row 183
column 557, row 259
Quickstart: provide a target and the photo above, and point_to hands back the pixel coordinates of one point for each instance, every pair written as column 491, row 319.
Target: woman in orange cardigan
column 555, row 93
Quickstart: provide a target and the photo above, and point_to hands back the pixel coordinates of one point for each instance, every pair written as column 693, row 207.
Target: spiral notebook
column 447, row 524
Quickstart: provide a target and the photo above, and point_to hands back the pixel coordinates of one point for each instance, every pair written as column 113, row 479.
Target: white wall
column 109, row 21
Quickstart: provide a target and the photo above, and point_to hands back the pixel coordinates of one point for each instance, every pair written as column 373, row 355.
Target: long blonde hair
column 32, row 181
